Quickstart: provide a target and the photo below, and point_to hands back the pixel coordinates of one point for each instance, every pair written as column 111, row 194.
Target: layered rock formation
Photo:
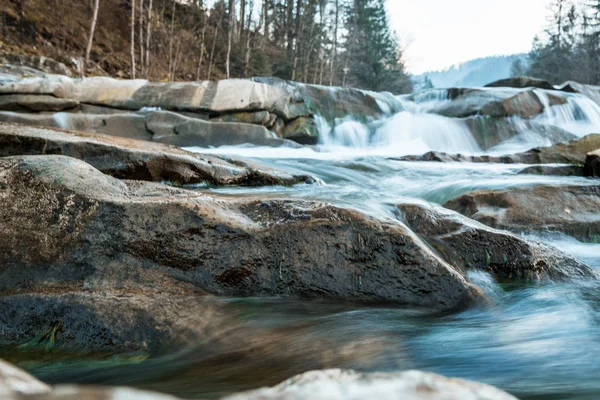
column 227, row 112
column 569, row 209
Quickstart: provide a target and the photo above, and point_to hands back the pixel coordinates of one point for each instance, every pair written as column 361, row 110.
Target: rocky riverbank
column 115, row 241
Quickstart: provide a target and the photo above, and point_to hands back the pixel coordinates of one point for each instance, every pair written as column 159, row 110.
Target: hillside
column 476, row 72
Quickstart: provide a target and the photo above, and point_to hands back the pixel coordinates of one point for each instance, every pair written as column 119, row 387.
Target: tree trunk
column 148, row 33
column 214, row 44
column 266, row 17
column 202, row 47
column 230, row 28
column 88, row 50
column 248, row 37
column 334, row 47
column 242, row 17
column 141, row 38
column 171, row 40
column 132, row 39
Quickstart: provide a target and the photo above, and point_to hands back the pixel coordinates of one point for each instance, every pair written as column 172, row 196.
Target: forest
column 569, row 47
column 327, row 42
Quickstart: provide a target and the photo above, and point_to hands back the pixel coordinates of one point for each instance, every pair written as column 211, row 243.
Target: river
column 534, row 341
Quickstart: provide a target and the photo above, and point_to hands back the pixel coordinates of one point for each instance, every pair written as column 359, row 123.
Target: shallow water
column 537, row 342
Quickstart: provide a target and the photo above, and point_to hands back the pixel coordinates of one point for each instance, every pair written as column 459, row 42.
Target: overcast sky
column 442, row 33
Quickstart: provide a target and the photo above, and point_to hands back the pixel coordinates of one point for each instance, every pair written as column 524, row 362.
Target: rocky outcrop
column 344, row 385
column 21, row 65
column 468, row 244
column 496, row 102
column 592, row 164
column 572, row 210
column 573, row 152
column 227, row 112
column 16, row 382
column 158, row 126
column 139, row 160
column 92, row 231
column 522, row 82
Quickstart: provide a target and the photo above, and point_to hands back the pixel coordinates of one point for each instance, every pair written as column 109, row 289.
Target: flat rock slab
column 572, row 210
column 16, row 382
column 33, row 103
column 350, row 385
column 140, row 160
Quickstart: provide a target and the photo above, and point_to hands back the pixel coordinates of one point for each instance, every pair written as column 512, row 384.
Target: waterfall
column 579, row 115
column 412, row 131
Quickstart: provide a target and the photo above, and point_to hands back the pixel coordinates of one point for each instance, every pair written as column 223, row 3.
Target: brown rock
column 569, row 209
column 469, row 244
column 592, row 164
column 139, row 160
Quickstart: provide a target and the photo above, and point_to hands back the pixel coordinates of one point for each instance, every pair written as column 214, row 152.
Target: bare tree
column 214, row 45
column 202, row 46
column 88, row 50
column 148, row 33
column 335, row 39
column 231, row 29
column 132, row 39
column 141, row 38
column 248, row 37
column 171, row 40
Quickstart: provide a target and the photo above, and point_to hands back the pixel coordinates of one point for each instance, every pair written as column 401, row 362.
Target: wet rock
column 573, row 152
column 31, row 103
column 302, row 130
column 139, row 160
column 522, row 82
column 496, row 102
column 560, row 170
column 469, row 244
column 69, row 223
column 350, row 385
column 592, row 164
column 257, row 118
column 15, row 382
column 590, row 91
column 572, row 210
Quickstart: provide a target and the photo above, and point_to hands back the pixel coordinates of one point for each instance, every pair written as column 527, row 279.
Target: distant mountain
column 478, row 72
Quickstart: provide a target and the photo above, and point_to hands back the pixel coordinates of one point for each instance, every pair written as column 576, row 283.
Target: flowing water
column 537, row 342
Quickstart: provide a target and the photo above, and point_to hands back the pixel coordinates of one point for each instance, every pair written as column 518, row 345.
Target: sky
column 440, row 33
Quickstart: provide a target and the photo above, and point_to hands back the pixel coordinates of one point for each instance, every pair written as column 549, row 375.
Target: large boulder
column 16, row 382
column 140, row 160
column 68, row 224
column 592, row 164
column 569, row 209
column 469, row 244
column 496, row 102
column 522, row 82
column 349, row 385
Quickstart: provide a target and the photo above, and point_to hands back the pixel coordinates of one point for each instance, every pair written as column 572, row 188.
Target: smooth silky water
column 537, row 342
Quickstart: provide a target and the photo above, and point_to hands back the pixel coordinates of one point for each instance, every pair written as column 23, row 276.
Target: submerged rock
column 140, row 160
column 72, row 225
column 350, row 385
column 572, row 210
column 14, row 382
column 592, row 164
column 468, row 244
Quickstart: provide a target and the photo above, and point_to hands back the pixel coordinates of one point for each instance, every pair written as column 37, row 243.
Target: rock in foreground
column 69, row 225
column 350, row 385
column 572, row 210
column 15, row 382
